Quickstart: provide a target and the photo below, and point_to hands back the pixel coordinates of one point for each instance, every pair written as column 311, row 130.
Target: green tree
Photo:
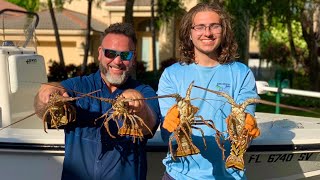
column 288, row 13
column 308, row 9
column 170, row 11
column 29, row 5
column 289, row 16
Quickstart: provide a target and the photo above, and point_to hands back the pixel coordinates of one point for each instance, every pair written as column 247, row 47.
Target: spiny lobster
column 238, row 135
column 132, row 123
column 188, row 120
column 59, row 111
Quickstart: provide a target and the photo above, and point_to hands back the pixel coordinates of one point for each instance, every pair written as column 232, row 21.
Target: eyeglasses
column 124, row 55
column 201, row 28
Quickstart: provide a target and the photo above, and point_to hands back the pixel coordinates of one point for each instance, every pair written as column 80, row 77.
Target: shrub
column 58, row 73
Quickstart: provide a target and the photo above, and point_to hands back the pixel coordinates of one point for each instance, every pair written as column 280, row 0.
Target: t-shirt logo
column 223, row 87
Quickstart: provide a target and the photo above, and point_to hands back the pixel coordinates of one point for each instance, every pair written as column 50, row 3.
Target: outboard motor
column 22, row 70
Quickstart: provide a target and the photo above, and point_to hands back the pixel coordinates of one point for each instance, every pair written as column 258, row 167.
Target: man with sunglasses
column 90, row 152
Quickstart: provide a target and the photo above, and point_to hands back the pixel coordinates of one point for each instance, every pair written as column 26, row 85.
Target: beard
column 114, row 79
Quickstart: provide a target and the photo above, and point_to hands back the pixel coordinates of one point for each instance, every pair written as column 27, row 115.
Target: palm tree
column 29, row 5
column 128, row 17
column 153, row 31
column 87, row 44
column 56, row 33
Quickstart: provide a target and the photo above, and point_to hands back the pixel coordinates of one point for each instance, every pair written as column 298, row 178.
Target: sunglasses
column 124, row 55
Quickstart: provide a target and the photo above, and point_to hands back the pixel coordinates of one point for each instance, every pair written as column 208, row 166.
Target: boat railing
column 263, row 87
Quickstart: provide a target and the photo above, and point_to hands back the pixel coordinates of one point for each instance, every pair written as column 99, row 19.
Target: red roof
column 7, row 5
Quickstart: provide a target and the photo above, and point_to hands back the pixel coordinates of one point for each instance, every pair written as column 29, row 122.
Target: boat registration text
column 275, row 158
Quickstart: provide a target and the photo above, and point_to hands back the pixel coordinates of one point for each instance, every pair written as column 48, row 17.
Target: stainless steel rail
column 263, row 87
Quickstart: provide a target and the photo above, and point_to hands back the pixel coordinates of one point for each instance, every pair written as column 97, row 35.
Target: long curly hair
column 227, row 51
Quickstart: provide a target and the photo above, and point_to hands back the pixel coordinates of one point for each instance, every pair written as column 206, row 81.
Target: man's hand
column 141, row 109
column 172, row 120
column 251, row 126
column 47, row 89
column 136, row 106
column 43, row 96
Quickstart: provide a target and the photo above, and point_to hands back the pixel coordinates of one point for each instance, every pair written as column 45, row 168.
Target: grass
column 312, row 104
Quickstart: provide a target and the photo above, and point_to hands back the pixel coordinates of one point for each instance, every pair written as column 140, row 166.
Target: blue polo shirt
column 90, row 153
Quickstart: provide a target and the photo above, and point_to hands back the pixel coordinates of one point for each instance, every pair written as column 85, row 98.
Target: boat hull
column 289, row 148
column 282, row 164
column 38, row 163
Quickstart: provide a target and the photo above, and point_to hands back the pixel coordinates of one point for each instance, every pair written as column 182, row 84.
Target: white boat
column 288, row 147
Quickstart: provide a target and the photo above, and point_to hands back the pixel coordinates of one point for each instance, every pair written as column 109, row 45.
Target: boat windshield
column 17, row 28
